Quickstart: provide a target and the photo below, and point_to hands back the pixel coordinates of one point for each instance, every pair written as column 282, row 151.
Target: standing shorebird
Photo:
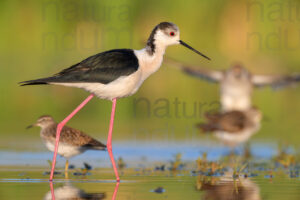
column 72, row 141
column 237, row 83
column 233, row 127
column 115, row 74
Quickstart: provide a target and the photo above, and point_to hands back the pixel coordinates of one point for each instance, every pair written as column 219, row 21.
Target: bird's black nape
column 151, row 39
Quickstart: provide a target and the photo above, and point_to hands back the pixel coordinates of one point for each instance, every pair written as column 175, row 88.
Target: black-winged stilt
column 114, row 74
column 72, row 141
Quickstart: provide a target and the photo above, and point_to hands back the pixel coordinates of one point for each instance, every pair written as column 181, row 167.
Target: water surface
column 157, row 171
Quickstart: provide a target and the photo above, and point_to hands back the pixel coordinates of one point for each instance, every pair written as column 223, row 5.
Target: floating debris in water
column 158, row 190
column 71, row 166
column 160, row 168
column 78, row 174
column 87, row 166
column 55, row 173
column 84, row 173
column 250, row 175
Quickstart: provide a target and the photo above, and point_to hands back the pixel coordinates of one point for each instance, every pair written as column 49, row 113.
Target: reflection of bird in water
column 72, row 143
column 228, row 188
column 233, row 127
column 236, row 83
column 68, row 191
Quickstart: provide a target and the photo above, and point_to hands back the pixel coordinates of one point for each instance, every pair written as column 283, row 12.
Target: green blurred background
column 39, row 38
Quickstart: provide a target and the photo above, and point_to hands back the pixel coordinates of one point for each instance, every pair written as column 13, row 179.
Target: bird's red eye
column 172, row 33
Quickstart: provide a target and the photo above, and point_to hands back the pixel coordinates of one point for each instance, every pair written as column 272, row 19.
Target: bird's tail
column 101, row 148
column 96, row 145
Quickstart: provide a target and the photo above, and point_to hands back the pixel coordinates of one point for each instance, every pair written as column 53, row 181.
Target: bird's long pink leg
column 59, row 128
column 109, row 147
column 115, row 191
column 52, row 190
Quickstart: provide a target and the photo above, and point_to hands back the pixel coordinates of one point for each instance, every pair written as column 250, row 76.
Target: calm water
column 139, row 152
column 158, row 185
column 157, row 171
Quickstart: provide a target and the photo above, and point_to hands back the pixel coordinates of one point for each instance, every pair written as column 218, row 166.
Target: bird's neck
column 46, row 128
column 150, row 61
column 155, row 47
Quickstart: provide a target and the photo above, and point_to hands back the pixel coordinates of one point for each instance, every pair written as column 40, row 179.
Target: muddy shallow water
column 155, row 186
column 157, row 171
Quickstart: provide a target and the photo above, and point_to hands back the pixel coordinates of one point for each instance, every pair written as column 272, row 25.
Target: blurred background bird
column 232, row 127
column 237, row 120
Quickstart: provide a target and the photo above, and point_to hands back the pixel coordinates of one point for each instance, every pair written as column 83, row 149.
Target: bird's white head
column 238, row 73
column 166, row 34
column 43, row 121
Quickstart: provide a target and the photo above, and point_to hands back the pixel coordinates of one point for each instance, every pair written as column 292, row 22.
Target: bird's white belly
column 230, row 103
column 236, row 138
column 235, row 98
column 232, row 138
column 64, row 149
column 121, row 87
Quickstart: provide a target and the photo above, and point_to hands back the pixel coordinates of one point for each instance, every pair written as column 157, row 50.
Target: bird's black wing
column 103, row 68
column 208, row 75
column 275, row 82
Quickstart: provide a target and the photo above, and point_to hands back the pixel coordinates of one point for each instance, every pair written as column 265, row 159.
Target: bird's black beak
column 191, row 48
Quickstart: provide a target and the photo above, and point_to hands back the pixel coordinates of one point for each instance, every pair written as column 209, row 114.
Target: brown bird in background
column 232, row 127
column 72, row 141
column 237, row 120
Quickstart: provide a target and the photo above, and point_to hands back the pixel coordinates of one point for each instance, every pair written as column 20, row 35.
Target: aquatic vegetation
column 121, row 164
column 207, row 168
